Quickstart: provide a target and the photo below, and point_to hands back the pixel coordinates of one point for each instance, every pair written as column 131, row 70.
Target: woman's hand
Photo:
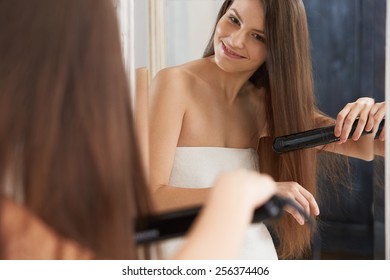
column 377, row 114
column 220, row 229
column 301, row 197
column 370, row 115
column 245, row 187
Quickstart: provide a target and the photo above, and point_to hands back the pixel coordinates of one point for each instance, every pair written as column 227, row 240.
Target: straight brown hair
column 66, row 126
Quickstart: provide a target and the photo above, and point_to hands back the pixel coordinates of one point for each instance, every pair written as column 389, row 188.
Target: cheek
column 259, row 53
column 223, row 28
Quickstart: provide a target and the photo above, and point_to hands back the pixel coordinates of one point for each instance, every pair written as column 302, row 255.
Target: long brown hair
column 290, row 103
column 66, row 126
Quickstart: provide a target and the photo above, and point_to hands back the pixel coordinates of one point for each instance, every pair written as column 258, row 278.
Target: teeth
column 230, row 52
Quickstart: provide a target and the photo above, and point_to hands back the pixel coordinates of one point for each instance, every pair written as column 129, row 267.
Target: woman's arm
column 169, row 100
column 370, row 115
column 220, row 229
column 377, row 114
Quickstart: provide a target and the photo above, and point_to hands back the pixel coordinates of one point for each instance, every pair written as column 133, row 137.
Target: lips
column 228, row 52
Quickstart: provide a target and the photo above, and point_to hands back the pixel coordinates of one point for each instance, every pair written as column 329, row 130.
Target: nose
column 238, row 39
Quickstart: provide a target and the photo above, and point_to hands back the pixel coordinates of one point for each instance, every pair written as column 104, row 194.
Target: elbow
column 368, row 158
column 364, row 148
column 156, row 189
column 156, row 192
column 379, row 147
column 367, row 155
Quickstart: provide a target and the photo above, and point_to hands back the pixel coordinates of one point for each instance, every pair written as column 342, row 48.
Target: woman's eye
column 259, row 37
column 234, row 20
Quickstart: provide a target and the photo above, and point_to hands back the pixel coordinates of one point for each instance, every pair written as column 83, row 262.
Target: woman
column 71, row 182
column 220, row 112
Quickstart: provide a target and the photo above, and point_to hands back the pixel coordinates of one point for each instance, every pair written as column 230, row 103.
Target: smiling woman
column 221, row 112
column 239, row 40
column 214, row 104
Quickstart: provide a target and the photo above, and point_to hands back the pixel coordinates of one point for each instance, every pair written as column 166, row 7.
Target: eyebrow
column 240, row 19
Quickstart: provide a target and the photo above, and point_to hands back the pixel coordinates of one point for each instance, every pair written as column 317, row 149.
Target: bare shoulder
column 27, row 237
column 177, row 76
column 175, row 83
column 171, row 74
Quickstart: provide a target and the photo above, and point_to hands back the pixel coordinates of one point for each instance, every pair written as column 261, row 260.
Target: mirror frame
column 125, row 11
column 157, row 36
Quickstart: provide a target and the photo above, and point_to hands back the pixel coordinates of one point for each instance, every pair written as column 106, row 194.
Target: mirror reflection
column 209, row 113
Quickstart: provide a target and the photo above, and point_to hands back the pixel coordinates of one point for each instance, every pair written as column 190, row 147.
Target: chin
column 224, row 65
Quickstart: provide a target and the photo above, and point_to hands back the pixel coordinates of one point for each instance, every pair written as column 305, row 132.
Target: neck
column 230, row 83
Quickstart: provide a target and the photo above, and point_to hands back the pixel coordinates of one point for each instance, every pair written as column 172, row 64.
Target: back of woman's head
column 66, row 132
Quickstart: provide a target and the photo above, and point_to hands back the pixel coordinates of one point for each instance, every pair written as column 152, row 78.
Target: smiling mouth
column 230, row 53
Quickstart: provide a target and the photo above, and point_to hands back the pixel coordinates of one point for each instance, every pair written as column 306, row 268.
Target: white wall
column 141, row 33
column 139, row 40
column 189, row 26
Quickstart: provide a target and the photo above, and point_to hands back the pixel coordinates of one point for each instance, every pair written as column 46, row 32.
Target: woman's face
column 239, row 41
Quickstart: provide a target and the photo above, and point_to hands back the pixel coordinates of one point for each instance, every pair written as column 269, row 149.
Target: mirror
column 348, row 50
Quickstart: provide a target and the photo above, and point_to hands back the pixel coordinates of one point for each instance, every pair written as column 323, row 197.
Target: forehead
column 251, row 12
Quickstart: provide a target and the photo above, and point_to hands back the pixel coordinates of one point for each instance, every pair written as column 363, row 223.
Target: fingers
column 297, row 216
column 370, row 115
column 382, row 135
column 377, row 114
column 314, row 208
column 301, row 197
column 360, row 109
column 256, row 189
